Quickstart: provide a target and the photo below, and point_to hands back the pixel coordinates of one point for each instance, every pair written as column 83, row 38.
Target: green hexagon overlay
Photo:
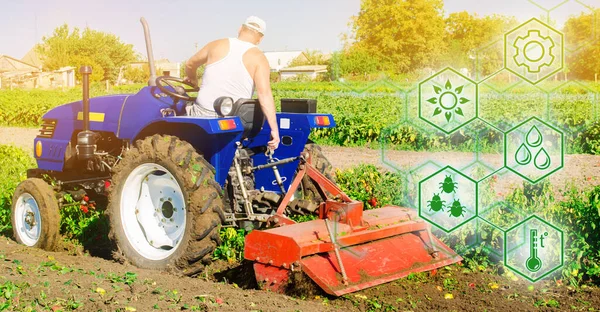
column 516, row 269
column 428, row 218
column 519, row 171
column 544, row 32
column 453, row 92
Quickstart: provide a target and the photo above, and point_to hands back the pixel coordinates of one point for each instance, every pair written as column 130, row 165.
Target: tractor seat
column 251, row 115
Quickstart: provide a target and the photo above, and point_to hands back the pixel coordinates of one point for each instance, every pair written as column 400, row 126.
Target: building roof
column 32, row 57
column 281, row 59
column 12, row 65
column 306, row 68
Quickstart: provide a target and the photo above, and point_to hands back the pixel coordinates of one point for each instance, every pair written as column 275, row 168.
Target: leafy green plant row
column 384, row 115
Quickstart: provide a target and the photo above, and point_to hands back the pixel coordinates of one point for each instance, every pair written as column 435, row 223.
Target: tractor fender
column 214, row 138
column 172, row 125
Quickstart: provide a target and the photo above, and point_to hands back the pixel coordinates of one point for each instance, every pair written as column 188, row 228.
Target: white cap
column 262, row 26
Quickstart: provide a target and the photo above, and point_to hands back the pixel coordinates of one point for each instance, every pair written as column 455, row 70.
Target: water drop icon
column 534, row 137
column 542, row 160
column 523, row 155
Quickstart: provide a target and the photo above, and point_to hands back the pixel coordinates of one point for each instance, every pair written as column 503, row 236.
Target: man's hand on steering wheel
column 178, row 91
column 189, row 81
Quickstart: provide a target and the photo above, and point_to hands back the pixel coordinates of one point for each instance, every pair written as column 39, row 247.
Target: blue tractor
column 171, row 181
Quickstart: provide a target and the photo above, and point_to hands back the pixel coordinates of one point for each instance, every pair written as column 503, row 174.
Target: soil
column 57, row 280
column 99, row 284
column 61, row 280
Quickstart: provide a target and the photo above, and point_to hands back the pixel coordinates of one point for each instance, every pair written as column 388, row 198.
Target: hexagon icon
column 448, row 199
column 534, row 149
column 534, row 248
column 534, row 51
column 448, row 100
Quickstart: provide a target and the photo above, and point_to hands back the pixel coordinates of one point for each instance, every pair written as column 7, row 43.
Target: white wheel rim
column 153, row 211
column 28, row 221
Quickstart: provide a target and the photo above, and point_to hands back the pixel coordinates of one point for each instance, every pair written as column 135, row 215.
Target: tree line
column 400, row 37
column 389, row 36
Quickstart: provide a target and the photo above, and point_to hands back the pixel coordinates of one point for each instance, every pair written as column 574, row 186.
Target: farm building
column 33, row 58
column 279, row 60
column 27, row 73
column 14, row 72
column 308, row 71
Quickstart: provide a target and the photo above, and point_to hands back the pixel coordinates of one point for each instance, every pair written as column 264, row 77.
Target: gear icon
column 534, row 51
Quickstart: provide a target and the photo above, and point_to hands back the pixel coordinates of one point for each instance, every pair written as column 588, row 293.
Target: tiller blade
column 346, row 250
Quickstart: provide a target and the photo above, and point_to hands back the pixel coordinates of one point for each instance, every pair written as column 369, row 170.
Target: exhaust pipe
column 86, row 139
column 152, row 80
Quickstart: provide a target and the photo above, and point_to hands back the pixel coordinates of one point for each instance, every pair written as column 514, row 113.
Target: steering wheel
column 180, row 91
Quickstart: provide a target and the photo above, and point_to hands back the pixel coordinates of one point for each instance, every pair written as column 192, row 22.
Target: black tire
column 202, row 195
column 45, row 198
column 320, row 162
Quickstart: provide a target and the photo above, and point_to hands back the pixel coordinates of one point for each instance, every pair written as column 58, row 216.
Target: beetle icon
column 436, row 203
column 457, row 210
column 449, row 186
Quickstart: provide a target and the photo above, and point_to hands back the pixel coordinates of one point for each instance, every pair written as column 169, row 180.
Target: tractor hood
column 102, row 109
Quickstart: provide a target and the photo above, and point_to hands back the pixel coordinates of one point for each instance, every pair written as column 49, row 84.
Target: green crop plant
column 365, row 115
column 14, row 163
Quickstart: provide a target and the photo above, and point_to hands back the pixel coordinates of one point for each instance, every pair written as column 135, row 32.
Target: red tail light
column 322, row 121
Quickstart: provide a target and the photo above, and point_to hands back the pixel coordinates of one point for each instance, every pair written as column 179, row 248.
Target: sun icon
column 448, row 100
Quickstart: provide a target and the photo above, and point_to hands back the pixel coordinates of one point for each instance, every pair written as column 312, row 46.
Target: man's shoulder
column 256, row 52
column 218, row 42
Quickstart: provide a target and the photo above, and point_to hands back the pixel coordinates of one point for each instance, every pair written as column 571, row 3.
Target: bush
column 85, row 225
column 374, row 188
column 579, row 218
column 589, row 141
column 14, row 163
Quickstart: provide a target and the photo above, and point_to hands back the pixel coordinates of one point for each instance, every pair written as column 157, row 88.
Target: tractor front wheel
column 35, row 215
column 165, row 207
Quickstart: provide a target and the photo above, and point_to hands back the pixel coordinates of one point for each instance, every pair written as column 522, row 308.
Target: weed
column 450, row 284
column 128, row 278
column 232, row 246
column 551, row 303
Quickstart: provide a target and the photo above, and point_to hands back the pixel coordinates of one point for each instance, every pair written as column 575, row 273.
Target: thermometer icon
column 534, row 263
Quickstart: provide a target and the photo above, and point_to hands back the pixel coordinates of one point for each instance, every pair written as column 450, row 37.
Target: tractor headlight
column 223, row 105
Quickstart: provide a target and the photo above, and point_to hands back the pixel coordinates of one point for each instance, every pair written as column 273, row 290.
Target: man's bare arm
column 262, row 81
column 192, row 64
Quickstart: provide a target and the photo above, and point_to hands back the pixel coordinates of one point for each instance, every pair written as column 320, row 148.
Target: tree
column 354, row 61
column 137, row 74
column 466, row 33
column 401, row 34
column 583, row 63
column 103, row 51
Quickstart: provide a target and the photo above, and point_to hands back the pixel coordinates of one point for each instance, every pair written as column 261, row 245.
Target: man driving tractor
column 234, row 67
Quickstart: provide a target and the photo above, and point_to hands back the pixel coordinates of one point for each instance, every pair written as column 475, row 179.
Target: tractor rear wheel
column 35, row 215
column 319, row 161
column 165, row 207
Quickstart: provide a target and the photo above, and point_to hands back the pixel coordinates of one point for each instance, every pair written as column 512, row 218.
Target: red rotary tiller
column 347, row 249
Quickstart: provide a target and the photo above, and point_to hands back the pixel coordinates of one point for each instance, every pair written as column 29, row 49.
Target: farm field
column 56, row 280
column 82, row 277
column 74, row 280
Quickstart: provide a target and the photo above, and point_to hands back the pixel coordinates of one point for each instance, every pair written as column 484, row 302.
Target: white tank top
column 227, row 77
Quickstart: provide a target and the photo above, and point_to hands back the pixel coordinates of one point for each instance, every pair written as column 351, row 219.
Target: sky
column 177, row 26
